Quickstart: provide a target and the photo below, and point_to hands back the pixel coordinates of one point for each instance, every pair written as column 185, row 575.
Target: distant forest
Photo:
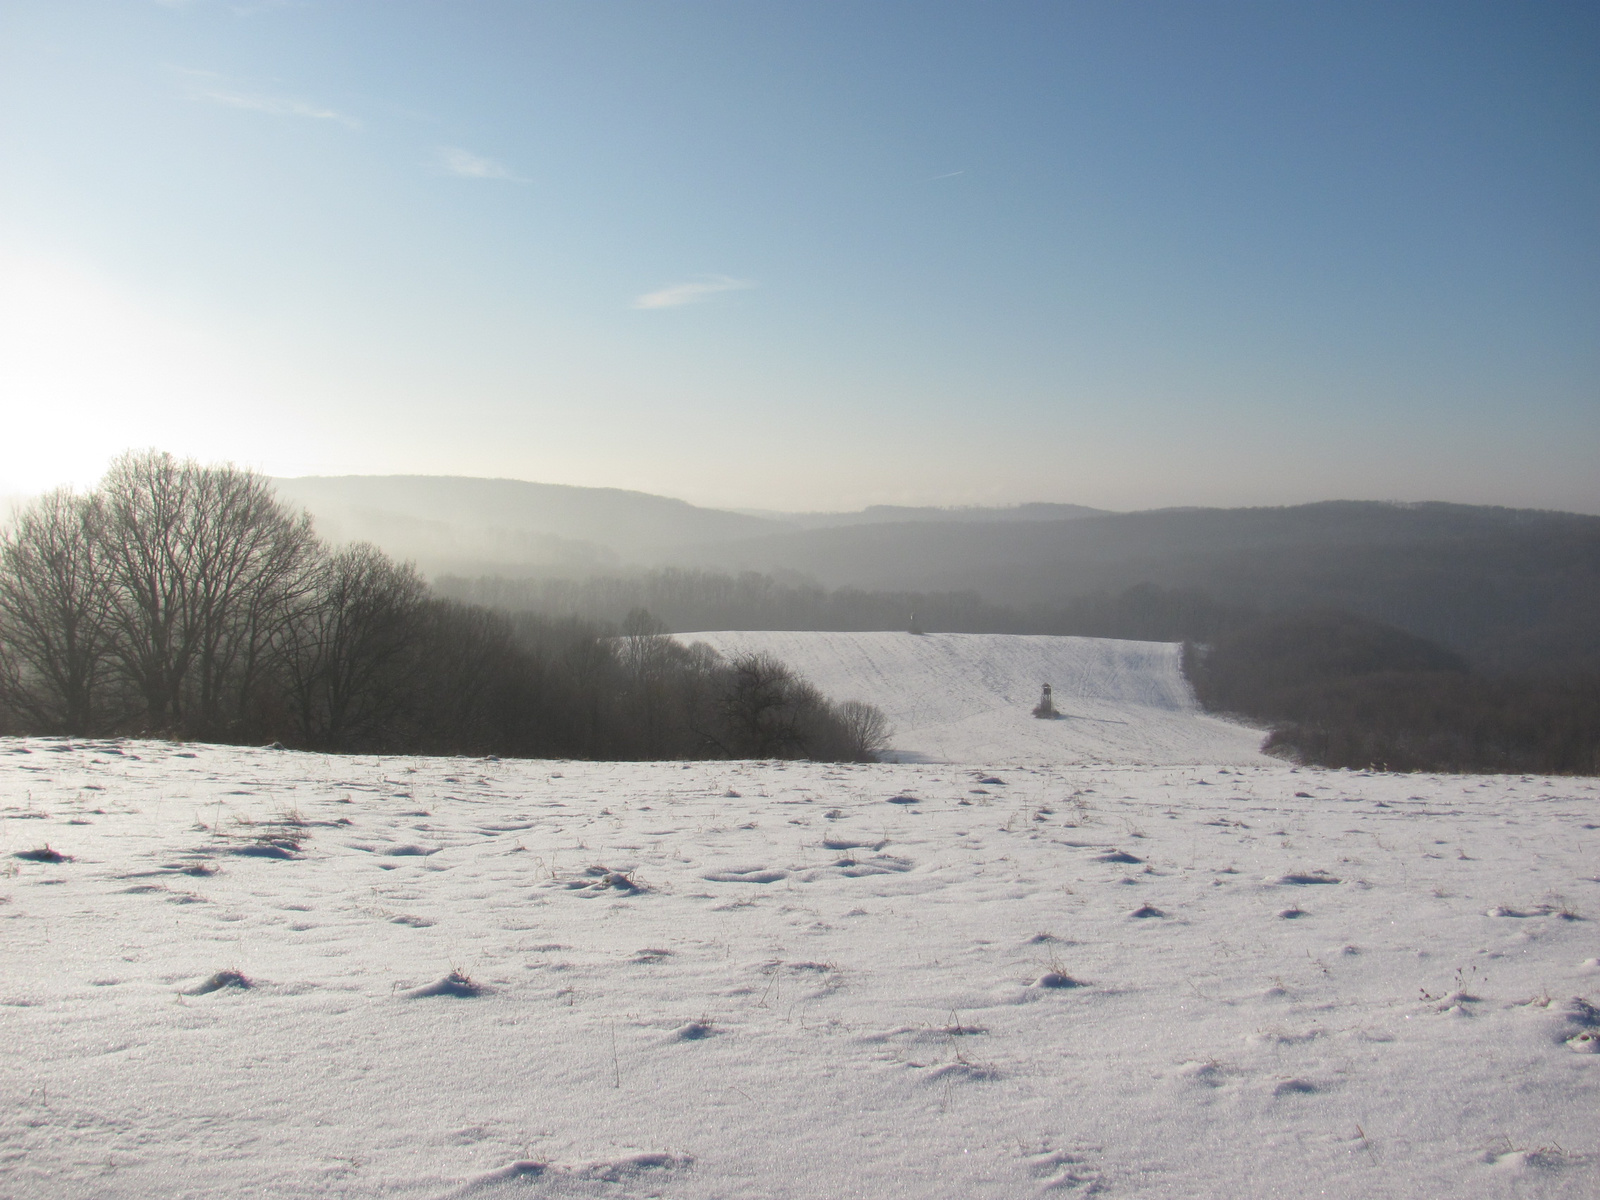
column 1336, row 689
column 1344, row 691
column 688, row 600
column 1512, row 590
column 178, row 600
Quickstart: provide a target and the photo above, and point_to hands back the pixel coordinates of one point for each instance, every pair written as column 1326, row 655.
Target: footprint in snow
column 597, row 881
column 1117, row 856
column 749, row 875
column 1057, row 979
column 219, row 981
column 963, row 1072
column 1060, row 1170
column 453, row 984
column 882, row 864
column 1544, row 1158
column 842, row 843
column 1576, row 1025
column 274, row 849
column 1208, row 1074
column 617, row 1171
column 1295, row 1087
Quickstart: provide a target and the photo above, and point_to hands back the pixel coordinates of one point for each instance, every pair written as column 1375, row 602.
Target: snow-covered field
column 476, row 978
column 966, row 697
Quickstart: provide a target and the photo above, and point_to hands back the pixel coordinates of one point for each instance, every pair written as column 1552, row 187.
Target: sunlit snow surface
column 534, row 979
column 965, row 697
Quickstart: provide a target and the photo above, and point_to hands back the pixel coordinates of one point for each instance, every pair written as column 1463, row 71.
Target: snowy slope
column 720, row 981
column 966, row 697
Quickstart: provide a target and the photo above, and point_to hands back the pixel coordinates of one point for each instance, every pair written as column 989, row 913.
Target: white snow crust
column 967, row 697
column 254, row 973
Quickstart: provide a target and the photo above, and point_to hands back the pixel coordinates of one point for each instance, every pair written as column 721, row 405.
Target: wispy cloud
column 468, row 165
column 247, row 9
column 205, row 86
column 680, row 294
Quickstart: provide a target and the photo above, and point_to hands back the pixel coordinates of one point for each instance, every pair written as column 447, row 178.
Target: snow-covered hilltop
column 966, row 697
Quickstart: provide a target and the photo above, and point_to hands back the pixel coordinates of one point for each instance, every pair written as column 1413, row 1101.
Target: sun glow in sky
column 811, row 256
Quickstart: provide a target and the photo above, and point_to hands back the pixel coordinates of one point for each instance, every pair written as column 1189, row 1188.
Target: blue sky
column 812, row 255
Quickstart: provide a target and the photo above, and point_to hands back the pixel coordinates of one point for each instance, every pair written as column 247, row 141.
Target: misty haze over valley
column 1511, row 589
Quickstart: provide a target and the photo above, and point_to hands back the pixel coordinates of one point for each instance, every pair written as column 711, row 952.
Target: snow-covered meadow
column 963, row 697
column 245, row 972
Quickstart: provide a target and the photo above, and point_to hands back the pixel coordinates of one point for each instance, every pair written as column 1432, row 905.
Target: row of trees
column 184, row 600
column 691, row 598
column 1340, row 690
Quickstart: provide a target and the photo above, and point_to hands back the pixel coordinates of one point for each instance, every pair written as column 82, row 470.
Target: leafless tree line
column 183, row 600
column 1338, row 690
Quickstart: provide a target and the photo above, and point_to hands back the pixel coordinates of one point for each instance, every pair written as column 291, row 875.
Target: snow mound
column 968, row 697
column 585, row 1179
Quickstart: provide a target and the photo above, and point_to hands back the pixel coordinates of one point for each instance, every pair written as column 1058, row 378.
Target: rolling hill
column 966, row 698
column 449, row 523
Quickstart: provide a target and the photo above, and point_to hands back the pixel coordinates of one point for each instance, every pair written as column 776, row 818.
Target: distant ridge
column 448, row 522
column 1512, row 589
column 463, row 523
column 890, row 514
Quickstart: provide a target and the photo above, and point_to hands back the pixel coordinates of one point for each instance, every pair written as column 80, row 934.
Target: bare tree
column 53, row 608
column 650, row 661
column 148, row 500
column 203, row 565
column 866, row 730
column 345, row 655
column 253, row 572
column 644, row 646
column 470, row 679
column 759, row 709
